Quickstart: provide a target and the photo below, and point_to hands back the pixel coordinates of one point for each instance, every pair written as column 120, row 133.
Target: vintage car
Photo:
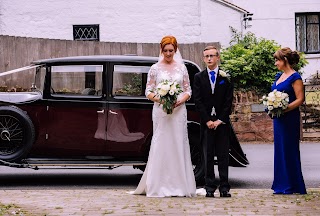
column 87, row 111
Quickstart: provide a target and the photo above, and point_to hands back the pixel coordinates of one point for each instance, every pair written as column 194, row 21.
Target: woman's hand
column 178, row 103
column 182, row 100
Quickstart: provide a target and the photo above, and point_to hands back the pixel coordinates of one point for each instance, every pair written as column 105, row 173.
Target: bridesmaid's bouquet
column 276, row 102
column 168, row 92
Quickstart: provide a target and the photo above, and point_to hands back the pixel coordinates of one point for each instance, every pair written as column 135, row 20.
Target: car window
column 76, row 80
column 39, row 79
column 129, row 80
column 33, row 79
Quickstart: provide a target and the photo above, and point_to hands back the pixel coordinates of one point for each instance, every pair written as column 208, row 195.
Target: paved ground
column 118, row 202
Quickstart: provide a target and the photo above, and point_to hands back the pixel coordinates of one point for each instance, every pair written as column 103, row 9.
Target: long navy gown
column 288, row 177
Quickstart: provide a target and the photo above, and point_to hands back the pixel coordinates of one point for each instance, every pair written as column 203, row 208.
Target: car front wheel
column 17, row 134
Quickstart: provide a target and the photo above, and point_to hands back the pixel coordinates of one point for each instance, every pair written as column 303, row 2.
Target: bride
column 169, row 169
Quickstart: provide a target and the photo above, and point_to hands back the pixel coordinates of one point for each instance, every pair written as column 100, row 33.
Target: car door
column 76, row 110
column 129, row 122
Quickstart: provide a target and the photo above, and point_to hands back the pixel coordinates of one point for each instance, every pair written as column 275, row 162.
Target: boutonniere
column 224, row 74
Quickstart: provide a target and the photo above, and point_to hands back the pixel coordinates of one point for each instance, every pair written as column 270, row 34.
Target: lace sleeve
column 151, row 81
column 186, row 82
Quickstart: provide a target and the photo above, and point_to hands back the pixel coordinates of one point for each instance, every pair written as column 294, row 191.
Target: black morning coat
column 221, row 99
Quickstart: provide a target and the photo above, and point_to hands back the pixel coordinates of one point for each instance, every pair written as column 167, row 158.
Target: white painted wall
column 216, row 20
column 275, row 20
column 121, row 20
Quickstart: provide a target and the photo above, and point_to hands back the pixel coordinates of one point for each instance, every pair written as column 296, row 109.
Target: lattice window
column 308, row 32
column 86, row 32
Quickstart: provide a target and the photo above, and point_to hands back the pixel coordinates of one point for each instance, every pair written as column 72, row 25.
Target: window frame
column 306, row 24
column 95, row 26
column 76, row 96
column 142, row 71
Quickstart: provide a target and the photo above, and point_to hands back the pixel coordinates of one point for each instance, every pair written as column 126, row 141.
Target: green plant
column 250, row 62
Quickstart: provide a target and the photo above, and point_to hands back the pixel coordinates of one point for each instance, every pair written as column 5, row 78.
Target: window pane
column 129, row 80
column 301, row 33
column 76, row 79
column 312, row 19
column 313, row 38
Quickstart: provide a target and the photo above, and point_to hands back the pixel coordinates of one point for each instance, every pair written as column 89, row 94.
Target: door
column 76, row 111
column 129, row 122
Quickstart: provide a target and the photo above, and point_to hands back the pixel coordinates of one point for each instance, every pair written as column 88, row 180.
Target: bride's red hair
column 169, row 40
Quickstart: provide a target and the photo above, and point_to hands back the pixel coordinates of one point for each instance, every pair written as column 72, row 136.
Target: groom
column 213, row 95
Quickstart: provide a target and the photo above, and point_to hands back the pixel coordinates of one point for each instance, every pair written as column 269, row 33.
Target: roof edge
column 233, row 6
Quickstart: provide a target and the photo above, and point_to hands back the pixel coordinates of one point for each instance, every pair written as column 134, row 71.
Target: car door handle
column 100, row 111
column 112, row 112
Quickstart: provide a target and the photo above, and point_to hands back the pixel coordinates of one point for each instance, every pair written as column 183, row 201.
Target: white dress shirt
column 213, row 85
column 216, row 74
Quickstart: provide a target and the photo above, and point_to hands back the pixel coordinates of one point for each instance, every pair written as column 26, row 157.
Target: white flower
column 165, row 87
column 276, row 102
column 270, row 107
column 271, row 97
column 159, row 85
column 278, row 94
column 168, row 92
column 223, row 74
column 171, row 92
column 173, row 88
column 162, row 92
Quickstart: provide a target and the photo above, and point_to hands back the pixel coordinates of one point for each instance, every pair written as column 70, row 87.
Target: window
column 76, row 79
column 307, row 32
column 129, row 80
column 86, row 32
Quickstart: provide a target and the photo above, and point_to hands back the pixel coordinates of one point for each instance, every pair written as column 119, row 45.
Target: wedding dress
column 169, row 169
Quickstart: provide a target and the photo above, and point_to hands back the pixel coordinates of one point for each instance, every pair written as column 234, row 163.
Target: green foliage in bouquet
column 249, row 60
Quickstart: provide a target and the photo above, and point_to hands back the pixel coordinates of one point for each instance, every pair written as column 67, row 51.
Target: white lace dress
column 169, row 169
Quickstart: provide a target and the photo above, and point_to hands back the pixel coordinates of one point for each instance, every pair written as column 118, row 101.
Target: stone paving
column 119, row 202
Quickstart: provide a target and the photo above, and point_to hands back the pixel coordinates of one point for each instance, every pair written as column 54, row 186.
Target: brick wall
column 249, row 120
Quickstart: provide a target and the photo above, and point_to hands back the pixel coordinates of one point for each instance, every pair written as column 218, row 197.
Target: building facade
column 292, row 23
column 143, row 21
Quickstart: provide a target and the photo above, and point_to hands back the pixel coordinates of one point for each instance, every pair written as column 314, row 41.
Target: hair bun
column 294, row 58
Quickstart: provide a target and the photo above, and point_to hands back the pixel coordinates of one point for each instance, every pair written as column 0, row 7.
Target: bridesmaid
column 288, row 177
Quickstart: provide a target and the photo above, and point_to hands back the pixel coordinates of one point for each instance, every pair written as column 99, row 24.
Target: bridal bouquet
column 168, row 92
column 276, row 102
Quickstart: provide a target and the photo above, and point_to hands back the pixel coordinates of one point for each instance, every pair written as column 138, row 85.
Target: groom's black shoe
column 225, row 194
column 210, row 194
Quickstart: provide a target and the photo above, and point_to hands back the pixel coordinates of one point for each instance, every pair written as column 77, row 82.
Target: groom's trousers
column 216, row 143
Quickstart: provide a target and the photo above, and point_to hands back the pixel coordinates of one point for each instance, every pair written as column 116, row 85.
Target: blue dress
column 288, row 177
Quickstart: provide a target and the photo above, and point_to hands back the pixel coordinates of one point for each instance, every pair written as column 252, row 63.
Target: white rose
column 165, row 87
column 278, row 94
column 222, row 73
column 269, row 103
column 162, row 92
column 173, row 88
column 271, row 98
column 284, row 95
column 271, row 94
column 270, row 107
column 278, row 99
